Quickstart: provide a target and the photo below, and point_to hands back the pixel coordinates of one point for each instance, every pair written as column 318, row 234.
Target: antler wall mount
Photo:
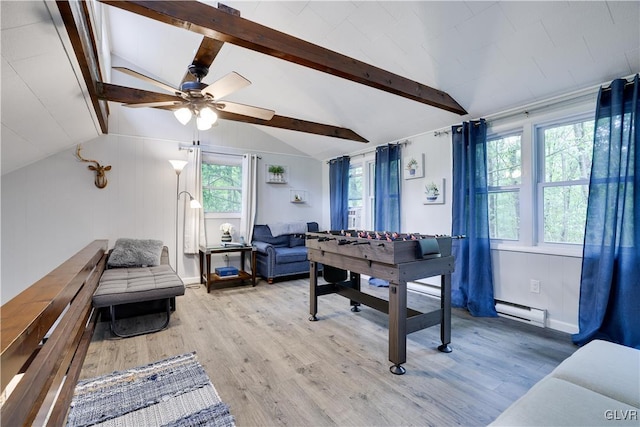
column 101, row 176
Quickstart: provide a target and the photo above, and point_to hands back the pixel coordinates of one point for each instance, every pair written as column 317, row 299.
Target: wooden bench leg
column 115, row 331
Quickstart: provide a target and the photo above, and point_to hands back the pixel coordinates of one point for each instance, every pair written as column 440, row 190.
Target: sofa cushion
column 262, row 233
column 290, row 227
column 296, row 240
column 555, row 402
column 621, row 378
column 289, row 255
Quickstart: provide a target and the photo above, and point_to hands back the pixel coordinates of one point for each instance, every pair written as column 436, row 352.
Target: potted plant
column 277, row 171
column 412, row 165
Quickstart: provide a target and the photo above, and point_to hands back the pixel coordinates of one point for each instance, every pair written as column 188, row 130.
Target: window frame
column 514, row 188
column 581, row 108
column 224, row 161
column 367, row 162
column 541, row 184
column 353, row 222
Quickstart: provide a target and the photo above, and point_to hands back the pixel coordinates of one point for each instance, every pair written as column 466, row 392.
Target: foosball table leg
column 397, row 326
column 313, row 284
column 355, row 284
column 445, row 320
column 397, row 369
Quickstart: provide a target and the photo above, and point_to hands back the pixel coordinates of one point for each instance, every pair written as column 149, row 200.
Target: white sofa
column 598, row 385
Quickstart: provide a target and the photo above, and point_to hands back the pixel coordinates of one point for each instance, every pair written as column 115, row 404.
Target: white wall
column 51, row 209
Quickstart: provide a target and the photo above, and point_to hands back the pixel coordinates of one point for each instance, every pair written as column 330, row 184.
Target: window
column 222, row 187
column 355, row 196
column 563, row 180
column 504, row 179
column 361, row 194
column 538, row 181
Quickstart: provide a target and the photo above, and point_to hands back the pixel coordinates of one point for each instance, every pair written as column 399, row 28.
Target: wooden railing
column 51, row 365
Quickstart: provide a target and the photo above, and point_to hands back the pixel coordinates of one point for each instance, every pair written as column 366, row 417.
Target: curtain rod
column 363, row 153
column 203, row 150
column 568, row 98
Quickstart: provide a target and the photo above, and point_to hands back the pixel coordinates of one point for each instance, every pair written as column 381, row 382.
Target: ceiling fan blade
column 245, row 110
column 129, row 95
column 207, row 52
column 147, row 79
column 298, row 125
column 226, row 85
column 155, row 104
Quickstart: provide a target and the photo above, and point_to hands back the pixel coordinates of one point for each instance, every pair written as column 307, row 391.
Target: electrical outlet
column 534, row 286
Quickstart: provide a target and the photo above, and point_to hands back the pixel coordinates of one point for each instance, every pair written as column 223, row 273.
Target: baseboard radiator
column 521, row 313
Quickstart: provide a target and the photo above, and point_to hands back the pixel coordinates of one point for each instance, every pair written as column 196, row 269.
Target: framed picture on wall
column 413, row 166
column 433, row 191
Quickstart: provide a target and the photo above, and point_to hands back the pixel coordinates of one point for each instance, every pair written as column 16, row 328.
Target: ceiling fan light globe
column 203, row 124
column 183, row 115
column 209, row 115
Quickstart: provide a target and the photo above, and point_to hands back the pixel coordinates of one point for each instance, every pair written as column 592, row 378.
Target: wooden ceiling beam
column 220, row 25
column 80, row 33
column 206, row 53
column 289, row 123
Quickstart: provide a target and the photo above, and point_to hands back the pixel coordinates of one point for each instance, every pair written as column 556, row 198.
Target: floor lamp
column 178, row 166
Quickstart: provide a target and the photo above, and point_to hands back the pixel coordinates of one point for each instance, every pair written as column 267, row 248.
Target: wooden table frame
column 209, row 279
column 402, row 320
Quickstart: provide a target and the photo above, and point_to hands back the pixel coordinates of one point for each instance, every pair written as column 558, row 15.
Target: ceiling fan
column 204, row 102
column 199, row 100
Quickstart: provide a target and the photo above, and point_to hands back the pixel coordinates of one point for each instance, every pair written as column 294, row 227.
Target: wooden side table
column 210, row 279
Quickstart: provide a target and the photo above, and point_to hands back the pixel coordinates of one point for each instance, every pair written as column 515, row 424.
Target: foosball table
column 394, row 257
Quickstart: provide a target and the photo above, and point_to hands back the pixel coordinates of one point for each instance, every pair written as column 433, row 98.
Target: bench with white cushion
column 120, row 285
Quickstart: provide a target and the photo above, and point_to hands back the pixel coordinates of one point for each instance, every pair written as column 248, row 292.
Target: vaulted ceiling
column 488, row 56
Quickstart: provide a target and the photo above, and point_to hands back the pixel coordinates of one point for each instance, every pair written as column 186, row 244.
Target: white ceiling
column 489, row 56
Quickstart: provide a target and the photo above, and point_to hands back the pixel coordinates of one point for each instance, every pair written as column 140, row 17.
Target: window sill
column 544, row 250
column 216, row 215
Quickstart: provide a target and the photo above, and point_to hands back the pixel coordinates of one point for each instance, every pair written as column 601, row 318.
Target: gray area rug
column 172, row 392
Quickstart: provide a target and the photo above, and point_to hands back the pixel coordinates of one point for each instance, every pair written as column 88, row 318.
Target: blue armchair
column 282, row 255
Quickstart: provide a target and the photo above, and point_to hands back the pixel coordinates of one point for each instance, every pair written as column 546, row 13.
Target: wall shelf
column 276, row 178
column 298, row 196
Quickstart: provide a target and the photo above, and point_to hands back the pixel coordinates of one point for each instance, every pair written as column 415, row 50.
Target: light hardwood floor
column 274, row 367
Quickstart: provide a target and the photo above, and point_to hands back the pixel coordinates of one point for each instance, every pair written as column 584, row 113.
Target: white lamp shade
column 183, row 115
column 203, row 124
column 194, row 204
column 209, row 115
column 178, row 165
